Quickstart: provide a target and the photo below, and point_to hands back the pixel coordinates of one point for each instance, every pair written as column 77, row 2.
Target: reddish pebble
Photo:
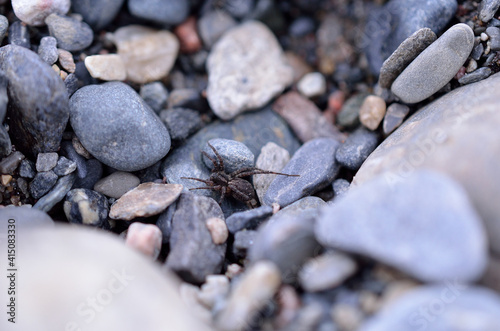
column 336, row 101
column 145, row 238
column 188, row 36
column 460, row 73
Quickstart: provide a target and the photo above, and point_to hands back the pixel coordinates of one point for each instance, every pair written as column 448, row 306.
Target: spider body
column 233, row 184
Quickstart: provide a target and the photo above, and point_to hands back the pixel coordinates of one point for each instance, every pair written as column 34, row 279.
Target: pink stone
column 146, row 238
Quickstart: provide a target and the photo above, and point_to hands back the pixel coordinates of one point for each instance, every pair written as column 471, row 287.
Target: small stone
column 87, row 207
column 483, row 36
column 48, row 50
column 10, row 163
column 155, row 95
column 357, row 147
column 243, row 241
column 164, row 222
column 349, row 114
column 340, row 187
column 187, row 98
column 214, row 290
column 46, row 161
column 316, row 166
column 372, row 112
column 42, row 183
column 299, row 66
column 346, row 317
column 19, row 35
column 71, row 82
column 471, row 66
column 64, row 166
column 97, row 13
column 239, row 78
column 272, row 158
column 248, row 219
column 117, row 184
column 305, row 118
column 404, row 55
column 303, row 208
column 27, row 169
column 5, row 179
column 218, row 230
column 145, row 238
column 213, row 24
column 487, row 9
column 188, row 36
column 435, row 66
column 106, row 67
column 148, row 54
column 239, row 9
column 494, row 34
column 476, row 76
column 34, row 12
column 78, row 147
column 258, row 285
column 394, row 116
column 170, row 12
column 145, row 200
column 181, row 123
column 56, row 194
column 312, row 85
column 66, row 60
column 235, row 155
column 477, row 52
column 4, row 26
column 71, row 34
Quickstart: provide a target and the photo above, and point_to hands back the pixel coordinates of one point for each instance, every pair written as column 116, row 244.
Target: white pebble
column 146, row 238
column 312, row 85
column 106, row 67
column 484, row 36
column 218, row 230
column 34, row 12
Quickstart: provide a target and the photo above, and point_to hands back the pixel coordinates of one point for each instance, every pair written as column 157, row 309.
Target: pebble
column 214, row 290
column 243, row 241
column 340, row 187
column 4, row 26
column 305, row 118
column 46, row 161
column 307, row 207
column 349, row 114
column 26, row 218
column 87, row 207
column 257, row 286
column 188, row 36
column 5, row 143
column 145, row 238
column 64, row 166
column 117, row 184
column 48, row 50
column 299, row 66
column 494, row 34
column 93, row 172
column 97, row 13
column 148, row 54
column 181, row 123
column 19, row 35
column 164, row 221
column 106, row 67
column 212, row 25
column 25, row 72
column 372, row 112
column 404, row 55
column 394, row 116
column 301, row 27
column 235, row 155
column 193, row 254
column 56, row 194
column 10, row 163
column 239, row 78
column 312, row 85
column 42, row 183
column 475, row 76
column 433, row 204
column 435, row 66
column 248, row 219
column 239, row 9
column 170, row 12
column 487, row 9
column 316, row 166
column 72, row 84
column 71, row 34
column 145, row 200
column 477, row 52
column 187, row 98
column 437, row 307
column 66, row 60
column 34, row 12
column 471, row 66
column 155, row 95
column 218, row 230
column 26, row 168
column 357, row 147
column 272, row 157
column 124, row 118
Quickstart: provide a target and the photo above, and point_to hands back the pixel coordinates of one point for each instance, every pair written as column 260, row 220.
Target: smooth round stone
column 48, row 50
column 357, row 147
column 97, row 13
column 34, row 12
column 239, row 77
column 272, row 157
column 312, row 85
column 117, row 127
column 435, row 66
column 169, row 12
column 372, row 112
column 440, row 307
column 145, row 238
column 394, row 116
column 106, row 67
column 71, row 34
column 235, row 155
column 83, row 206
column 117, row 184
column 423, row 225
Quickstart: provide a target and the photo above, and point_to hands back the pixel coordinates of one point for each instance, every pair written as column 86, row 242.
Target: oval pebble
column 83, row 206
column 117, row 184
column 235, row 155
column 34, row 12
column 97, row 13
column 71, row 34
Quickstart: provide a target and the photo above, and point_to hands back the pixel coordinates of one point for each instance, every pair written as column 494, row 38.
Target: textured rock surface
column 71, row 34
column 273, row 158
column 235, row 155
column 83, row 206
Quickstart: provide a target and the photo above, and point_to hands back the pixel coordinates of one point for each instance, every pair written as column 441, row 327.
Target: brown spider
column 231, row 185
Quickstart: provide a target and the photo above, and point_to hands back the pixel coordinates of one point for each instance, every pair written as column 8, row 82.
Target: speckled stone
column 34, row 12
column 476, row 76
column 235, row 155
column 117, row 184
column 71, row 34
column 64, row 166
column 56, row 194
column 46, row 161
column 42, row 183
column 273, row 158
column 83, row 206
column 26, row 168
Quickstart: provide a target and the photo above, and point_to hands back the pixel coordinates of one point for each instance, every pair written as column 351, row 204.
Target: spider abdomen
column 241, row 189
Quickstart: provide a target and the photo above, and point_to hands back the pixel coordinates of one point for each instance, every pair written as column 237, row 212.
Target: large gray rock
column 117, row 127
column 457, row 134
column 97, row 13
column 423, row 225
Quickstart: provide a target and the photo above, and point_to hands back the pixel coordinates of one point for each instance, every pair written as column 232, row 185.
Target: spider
column 231, row 185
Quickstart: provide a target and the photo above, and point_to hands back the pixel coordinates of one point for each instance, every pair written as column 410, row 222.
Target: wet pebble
column 212, row 26
column 170, row 12
column 46, row 161
column 117, row 184
column 372, row 112
column 35, row 12
column 56, row 194
column 97, row 13
column 71, row 34
column 48, row 50
column 487, row 9
column 10, row 163
column 64, row 166
column 476, row 76
column 42, row 183
column 235, row 155
column 106, row 67
column 248, row 219
column 340, row 187
column 312, row 85
column 26, row 169
column 155, row 95
column 354, row 151
column 145, row 238
column 87, row 207
column 394, row 116
column 181, row 123
column 272, row 157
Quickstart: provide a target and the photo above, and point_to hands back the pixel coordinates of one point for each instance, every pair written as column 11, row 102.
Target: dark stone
column 212, row 26
column 168, row 12
column 487, row 9
column 316, row 166
column 155, row 95
column 181, row 123
column 477, row 51
column 72, row 84
column 19, row 35
column 87, row 207
column 494, row 34
column 243, row 241
column 340, row 187
column 5, row 143
column 27, row 169
column 71, row 34
column 301, row 27
column 164, row 222
column 4, row 26
column 249, row 219
column 349, row 115
column 9, row 164
column 4, row 97
column 93, row 172
column 150, row 174
column 69, row 151
column 42, row 183
column 48, row 50
column 193, row 254
column 235, row 155
column 56, row 194
column 475, row 76
column 64, row 166
column 354, row 151
column 239, row 8
column 97, row 13
column 38, row 116
column 187, row 98
column 46, row 161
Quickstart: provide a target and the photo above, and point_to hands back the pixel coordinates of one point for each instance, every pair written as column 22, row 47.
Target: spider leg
column 217, row 166
column 215, row 188
column 256, row 171
column 221, row 162
column 198, row 179
column 222, row 194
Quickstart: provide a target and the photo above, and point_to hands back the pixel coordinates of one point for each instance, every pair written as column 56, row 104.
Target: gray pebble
column 48, row 50
column 69, row 151
column 26, row 218
column 273, row 158
column 117, row 184
column 10, row 163
column 316, row 166
column 4, row 26
column 19, row 35
column 181, row 123
column 394, row 116
column 349, row 115
column 249, row 219
column 186, row 98
column 477, row 52
column 97, row 13
column 340, row 187
column 71, row 34
column 93, row 172
column 358, row 145
column 487, row 9
column 56, row 194
column 64, row 166
column 305, row 207
column 46, row 161
column 42, row 183
column 475, row 76
column 212, row 26
column 193, row 254
column 235, row 155
column 155, row 95
column 87, row 207
column 5, row 143
column 72, row 84
column 164, row 222
column 243, row 241
column 494, row 22
column 494, row 34
column 27, row 169
column 169, row 12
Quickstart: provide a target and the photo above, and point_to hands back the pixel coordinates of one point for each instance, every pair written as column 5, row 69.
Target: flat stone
column 64, row 166
column 87, row 207
column 148, row 54
column 145, row 238
column 155, row 94
column 476, row 76
column 66, row 60
column 46, row 161
column 312, row 85
column 181, row 123
column 10, row 163
column 117, row 184
column 42, row 183
column 477, row 52
column 435, row 66
column 272, row 158
column 372, row 112
column 235, row 155
column 35, row 12
column 408, row 221
column 122, row 132
column 212, row 26
column 394, row 116
column 48, row 50
column 316, row 166
column 249, row 219
column 97, row 13
column 71, row 34
column 487, row 9
column 404, row 55
column 145, row 200
column 56, row 193
column 239, row 77
column 160, row 11
column 106, row 67
column 357, row 147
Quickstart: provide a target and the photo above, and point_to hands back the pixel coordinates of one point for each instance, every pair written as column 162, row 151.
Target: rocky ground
column 380, row 117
